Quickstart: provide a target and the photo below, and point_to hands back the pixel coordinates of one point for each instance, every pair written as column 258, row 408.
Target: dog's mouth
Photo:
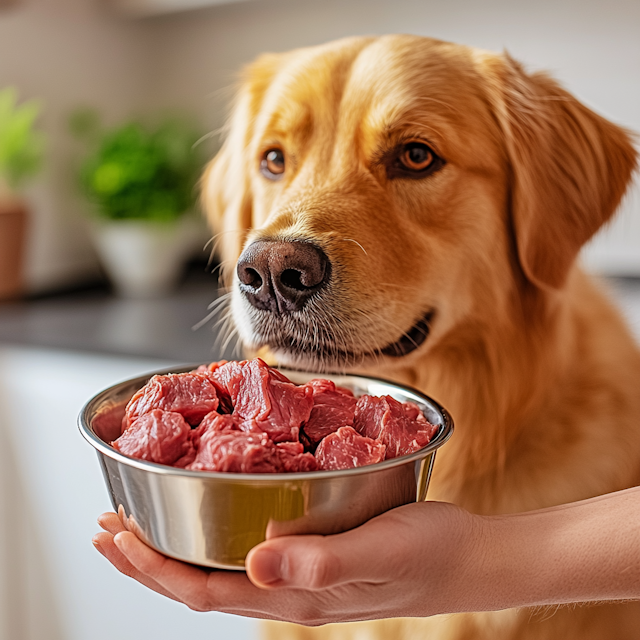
column 329, row 355
column 410, row 340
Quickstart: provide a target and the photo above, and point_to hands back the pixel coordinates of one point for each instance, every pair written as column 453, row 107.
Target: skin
column 444, row 560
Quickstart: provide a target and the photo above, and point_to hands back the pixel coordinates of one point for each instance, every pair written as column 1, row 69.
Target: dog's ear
column 226, row 184
column 569, row 169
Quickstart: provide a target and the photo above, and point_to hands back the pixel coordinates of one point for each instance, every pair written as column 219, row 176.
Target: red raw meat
column 213, row 421
column 346, row 449
column 264, row 399
column 108, row 421
column 293, row 457
column 157, row 436
column 228, row 375
column 236, row 452
column 226, row 405
column 333, row 407
column 218, row 422
column 191, row 394
column 400, row 426
column 251, row 419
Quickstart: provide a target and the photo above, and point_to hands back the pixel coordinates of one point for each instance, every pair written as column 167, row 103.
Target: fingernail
column 98, row 548
column 268, row 567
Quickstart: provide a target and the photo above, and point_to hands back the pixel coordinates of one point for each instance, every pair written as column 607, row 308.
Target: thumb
column 319, row 562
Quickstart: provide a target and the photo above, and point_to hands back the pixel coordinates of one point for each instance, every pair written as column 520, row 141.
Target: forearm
column 572, row 553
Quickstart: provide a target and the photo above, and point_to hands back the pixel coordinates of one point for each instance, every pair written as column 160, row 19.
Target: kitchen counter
column 170, row 328
column 95, row 320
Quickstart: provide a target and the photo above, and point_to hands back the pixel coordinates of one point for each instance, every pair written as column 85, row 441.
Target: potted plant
column 21, row 152
column 141, row 180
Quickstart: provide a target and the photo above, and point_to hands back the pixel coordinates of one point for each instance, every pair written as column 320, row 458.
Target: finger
column 111, row 522
column 320, row 562
column 186, row 582
column 202, row 590
column 103, row 542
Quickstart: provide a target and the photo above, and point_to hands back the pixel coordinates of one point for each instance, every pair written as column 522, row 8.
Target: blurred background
column 103, row 105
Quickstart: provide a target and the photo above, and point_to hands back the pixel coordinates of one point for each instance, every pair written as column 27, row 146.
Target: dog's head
column 374, row 194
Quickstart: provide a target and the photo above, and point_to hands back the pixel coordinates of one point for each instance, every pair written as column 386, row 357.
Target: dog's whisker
column 211, row 240
column 215, row 307
column 225, row 321
column 230, row 337
column 356, row 242
column 221, row 299
column 225, row 332
column 226, row 91
column 206, row 319
column 216, row 236
column 206, row 136
column 215, row 240
column 238, row 348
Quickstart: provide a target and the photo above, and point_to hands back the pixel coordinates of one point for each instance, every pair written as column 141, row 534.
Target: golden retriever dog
column 413, row 209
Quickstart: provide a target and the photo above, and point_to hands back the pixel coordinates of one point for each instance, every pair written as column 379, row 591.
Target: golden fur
column 537, row 368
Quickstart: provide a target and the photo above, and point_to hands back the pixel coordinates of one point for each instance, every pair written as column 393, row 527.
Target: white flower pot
column 145, row 259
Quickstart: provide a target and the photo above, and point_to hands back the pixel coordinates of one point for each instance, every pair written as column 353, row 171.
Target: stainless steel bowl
column 214, row 519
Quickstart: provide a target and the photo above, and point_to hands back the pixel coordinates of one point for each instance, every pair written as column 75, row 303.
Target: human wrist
column 464, row 562
column 500, row 564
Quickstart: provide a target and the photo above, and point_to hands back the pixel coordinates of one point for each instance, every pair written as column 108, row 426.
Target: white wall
column 72, row 52
column 68, row 53
column 592, row 46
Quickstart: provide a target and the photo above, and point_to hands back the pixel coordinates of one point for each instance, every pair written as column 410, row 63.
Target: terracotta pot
column 13, row 228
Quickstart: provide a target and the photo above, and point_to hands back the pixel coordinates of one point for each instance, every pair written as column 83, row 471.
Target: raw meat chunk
column 226, row 405
column 213, row 421
column 157, row 436
column 293, row 457
column 250, row 418
column 191, row 394
column 236, row 452
column 262, row 394
column 107, row 423
column 346, row 449
column 333, row 407
column 400, row 426
column 228, row 376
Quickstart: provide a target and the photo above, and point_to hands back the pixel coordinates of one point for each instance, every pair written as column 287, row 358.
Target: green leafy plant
column 137, row 171
column 21, row 144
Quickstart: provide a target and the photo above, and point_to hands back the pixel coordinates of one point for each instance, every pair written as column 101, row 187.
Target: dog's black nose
column 280, row 276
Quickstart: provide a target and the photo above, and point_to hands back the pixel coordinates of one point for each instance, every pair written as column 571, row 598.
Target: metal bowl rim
column 271, row 478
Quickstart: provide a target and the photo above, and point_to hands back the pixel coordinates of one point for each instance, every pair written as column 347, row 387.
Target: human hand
column 411, row 561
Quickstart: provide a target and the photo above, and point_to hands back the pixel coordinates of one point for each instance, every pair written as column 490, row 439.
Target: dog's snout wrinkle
column 280, row 276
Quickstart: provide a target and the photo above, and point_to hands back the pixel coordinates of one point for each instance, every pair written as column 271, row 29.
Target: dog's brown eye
column 272, row 164
column 414, row 160
column 416, row 156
